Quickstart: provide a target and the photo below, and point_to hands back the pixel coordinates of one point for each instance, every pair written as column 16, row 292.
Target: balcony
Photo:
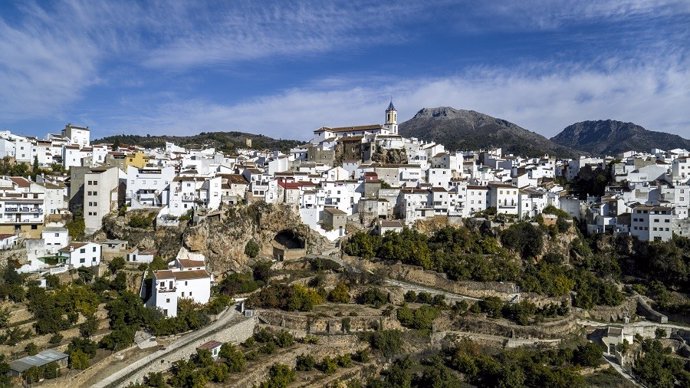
column 30, row 210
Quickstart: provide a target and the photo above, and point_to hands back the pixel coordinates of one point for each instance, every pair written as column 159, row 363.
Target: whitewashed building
column 81, row 254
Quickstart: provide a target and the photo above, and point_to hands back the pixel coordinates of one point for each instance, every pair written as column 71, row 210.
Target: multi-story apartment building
column 79, row 136
column 652, row 223
column 21, row 211
column 101, row 196
column 24, row 150
column 71, row 156
column 184, row 279
column 189, row 192
column 148, row 187
column 505, row 198
column 477, row 199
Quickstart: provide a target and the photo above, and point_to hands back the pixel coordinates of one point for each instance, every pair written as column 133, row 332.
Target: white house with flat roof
column 81, row 254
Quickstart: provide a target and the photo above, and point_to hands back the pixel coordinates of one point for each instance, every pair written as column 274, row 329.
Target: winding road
column 226, row 321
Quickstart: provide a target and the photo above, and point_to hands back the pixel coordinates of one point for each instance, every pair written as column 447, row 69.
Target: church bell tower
column 392, row 118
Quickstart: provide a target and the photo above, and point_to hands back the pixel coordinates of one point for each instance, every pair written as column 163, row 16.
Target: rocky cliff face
column 389, row 156
column 167, row 241
column 223, row 241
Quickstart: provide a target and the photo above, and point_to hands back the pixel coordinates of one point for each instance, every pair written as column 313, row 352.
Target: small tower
column 392, row 118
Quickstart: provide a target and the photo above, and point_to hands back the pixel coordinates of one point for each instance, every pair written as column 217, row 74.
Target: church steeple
column 392, row 118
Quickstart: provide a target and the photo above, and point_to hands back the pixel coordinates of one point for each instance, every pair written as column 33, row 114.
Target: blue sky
column 284, row 68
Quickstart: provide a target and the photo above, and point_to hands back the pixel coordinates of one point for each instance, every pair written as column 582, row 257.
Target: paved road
column 116, row 378
column 622, row 372
column 587, row 322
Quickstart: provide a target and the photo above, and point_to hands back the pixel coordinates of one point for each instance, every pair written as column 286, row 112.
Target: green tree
column 155, row 379
column 116, row 264
column 340, row 294
column 31, row 349
column 233, row 357
column 388, row 342
column 327, row 365
column 305, row 362
column 280, row 376
column 89, row 326
column 589, row 355
column 523, row 238
column 374, row 297
column 78, row 360
column 76, row 227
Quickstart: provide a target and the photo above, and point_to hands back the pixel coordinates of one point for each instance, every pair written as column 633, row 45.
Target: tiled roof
column 210, row 345
column 20, row 181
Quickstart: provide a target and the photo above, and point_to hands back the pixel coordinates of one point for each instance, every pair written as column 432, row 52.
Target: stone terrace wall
column 326, row 325
column 553, row 329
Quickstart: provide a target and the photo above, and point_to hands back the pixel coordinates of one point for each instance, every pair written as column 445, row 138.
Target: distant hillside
column 223, row 141
column 459, row 129
column 613, row 137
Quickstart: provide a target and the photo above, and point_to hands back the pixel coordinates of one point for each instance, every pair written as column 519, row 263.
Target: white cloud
column 653, row 95
column 248, row 30
column 42, row 69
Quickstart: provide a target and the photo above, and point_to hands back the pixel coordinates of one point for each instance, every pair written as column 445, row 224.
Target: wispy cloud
column 246, row 30
column 53, row 53
column 544, row 101
column 551, row 14
column 43, row 67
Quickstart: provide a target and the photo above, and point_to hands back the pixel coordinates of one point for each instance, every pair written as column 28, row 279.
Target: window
column 182, row 293
column 94, row 249
column 82, row 260
column 83, row 250
column 167, row 300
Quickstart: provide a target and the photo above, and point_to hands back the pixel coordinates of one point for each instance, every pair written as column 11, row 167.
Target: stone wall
column 236, row 333
column 326, row 325
column 554, row 329
column 613, row 313
column 502, row 290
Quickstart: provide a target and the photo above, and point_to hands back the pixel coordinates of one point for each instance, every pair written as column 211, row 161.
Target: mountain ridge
column 613, row 137
column 460, row 129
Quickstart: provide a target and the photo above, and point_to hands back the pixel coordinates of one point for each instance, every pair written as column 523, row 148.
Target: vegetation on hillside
column 227, row 142
column 465, row 254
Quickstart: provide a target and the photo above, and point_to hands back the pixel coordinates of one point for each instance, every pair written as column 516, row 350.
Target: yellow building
column 123, row 160
column 137, row 159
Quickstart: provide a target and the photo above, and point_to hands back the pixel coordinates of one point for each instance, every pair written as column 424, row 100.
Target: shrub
column 388, row 342
column 327, row 365
column 55, row 339
column 305, row 363
column 588, row 354
column 280, row 375
column 233, row 357
column 373, row 297
column 340, row 294
column 142, row 221
column 252, row 249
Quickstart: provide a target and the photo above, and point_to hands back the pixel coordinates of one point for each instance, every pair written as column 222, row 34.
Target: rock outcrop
column 222, row 241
